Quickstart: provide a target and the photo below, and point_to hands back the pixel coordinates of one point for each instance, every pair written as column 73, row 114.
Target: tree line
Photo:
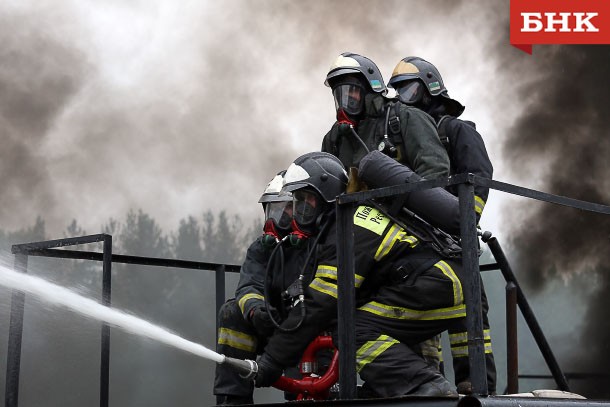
column 143, row 372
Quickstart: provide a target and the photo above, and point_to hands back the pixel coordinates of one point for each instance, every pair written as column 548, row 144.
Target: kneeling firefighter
column 246, row 322
column 407, row 289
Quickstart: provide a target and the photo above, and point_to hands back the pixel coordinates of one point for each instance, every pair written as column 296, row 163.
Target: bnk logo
column 559, row 22
column 567, row 22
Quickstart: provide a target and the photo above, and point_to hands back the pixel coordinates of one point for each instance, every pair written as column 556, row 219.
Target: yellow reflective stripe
column 411, row 240
column 324, row 287
column 330, row 272
column 393, row 312
column 327, row 272
column 245, row 298
column 458, row 296
column 358, row 280
column 462, row 337
column 371, row 219
column 235, row 339
column 479, row 204
column 371, row 349
column 387, row 242
column 462, row 351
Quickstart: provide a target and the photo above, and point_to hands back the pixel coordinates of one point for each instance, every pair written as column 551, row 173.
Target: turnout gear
column 413, row 70
column 406, row 293
column 411, row 134
column 467, row 154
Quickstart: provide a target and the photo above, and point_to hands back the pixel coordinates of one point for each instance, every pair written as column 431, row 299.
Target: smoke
column 180, row 108
column 563, row 137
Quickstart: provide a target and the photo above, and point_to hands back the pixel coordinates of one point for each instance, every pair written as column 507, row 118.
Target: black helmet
column 416, row 68
column 321, row 171
column 349, row 63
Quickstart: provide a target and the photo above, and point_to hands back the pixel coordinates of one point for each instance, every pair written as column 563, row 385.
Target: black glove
column 261, row 322
column 268, row 371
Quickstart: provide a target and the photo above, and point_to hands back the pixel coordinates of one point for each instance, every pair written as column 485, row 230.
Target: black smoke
column 563, row 137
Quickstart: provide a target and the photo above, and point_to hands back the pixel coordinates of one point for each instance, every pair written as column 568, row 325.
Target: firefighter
column 418, row 83
column 406, row 290
column 245, row 322
column 363, row 123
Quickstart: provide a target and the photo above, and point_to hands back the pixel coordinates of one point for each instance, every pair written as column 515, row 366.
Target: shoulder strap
column 441, row 128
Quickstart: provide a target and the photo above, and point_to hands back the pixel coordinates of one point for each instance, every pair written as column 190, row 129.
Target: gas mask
column 278, row 219
column 307, row 210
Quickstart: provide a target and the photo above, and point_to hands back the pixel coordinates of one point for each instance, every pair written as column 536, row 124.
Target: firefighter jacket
column 400, row 283
column 251, row 286
column 467, row 155
column 415, row 137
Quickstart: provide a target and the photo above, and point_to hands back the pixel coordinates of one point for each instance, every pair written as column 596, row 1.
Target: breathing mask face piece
column 278, row 222
column 411, row 92
column 280, row 213
column 349, row 98
column 307, row 206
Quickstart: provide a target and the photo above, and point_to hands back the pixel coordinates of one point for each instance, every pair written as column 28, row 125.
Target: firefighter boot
column 437, row 387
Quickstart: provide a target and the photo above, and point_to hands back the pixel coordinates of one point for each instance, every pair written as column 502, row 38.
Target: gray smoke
column 176, row 109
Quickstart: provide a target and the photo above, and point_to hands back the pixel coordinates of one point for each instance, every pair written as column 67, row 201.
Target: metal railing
column 346, row 205
column 49, row 248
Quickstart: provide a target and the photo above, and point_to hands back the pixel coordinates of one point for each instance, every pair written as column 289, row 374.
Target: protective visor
column 280, row 213
column 410, row 91
column 306, row 207
column 350, row 98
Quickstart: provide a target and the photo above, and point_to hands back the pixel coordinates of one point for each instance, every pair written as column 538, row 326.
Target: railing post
column 220, row 292
column 106, row 300
column 472, row 288
column 13, row 358
column 512, row 349
column 346, row 301
column 528, row 315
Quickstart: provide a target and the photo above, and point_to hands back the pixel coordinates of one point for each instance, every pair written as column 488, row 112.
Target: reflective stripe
column 462, row 337
column 479, row 204
column 326, row 271
column 330, row 272
column 405, row 313
column 235, row 339
column 245, row 298
column 371, row 349
column 324, row 287
column 462, row 351
column 387, row 242
column 458, row 296
column 395, row 234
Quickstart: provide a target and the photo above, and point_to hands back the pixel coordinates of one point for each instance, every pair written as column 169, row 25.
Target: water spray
column 56, row 294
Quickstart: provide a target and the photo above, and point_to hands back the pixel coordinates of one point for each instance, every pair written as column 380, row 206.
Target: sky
column 177, row 108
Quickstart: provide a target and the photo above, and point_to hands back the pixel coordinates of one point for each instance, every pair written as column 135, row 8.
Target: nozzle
column 248, row 368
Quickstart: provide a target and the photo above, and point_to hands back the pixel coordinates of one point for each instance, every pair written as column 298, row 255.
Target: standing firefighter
column 418, row 83
column 363, row 122
column 406, row 290
column 245, row 322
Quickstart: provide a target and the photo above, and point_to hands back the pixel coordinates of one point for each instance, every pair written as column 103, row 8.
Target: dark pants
column 236, row 339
